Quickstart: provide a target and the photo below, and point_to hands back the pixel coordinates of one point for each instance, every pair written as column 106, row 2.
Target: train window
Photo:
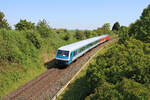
column 75, row 53
column 79, row 50
column 59, row 52
column 63, row 53
column 82, row 49
column 66, row 53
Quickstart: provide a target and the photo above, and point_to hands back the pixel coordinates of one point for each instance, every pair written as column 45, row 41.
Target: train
column 65, row 55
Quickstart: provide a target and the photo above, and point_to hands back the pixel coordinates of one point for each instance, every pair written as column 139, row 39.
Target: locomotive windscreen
column 62, row 53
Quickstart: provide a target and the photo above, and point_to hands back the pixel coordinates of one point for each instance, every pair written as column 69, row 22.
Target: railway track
column 48, row 84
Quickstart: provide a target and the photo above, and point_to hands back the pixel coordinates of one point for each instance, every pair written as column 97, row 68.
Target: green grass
column 14, row 76
column 78, row 88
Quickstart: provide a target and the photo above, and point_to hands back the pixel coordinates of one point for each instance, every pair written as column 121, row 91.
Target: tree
column 88, row 33
column 24, row 25
column 140, row 29
column 43, row 28
column 79, row 35
column 61, row 31
column 116, row 26
column 105, row 29
column 3, row 22
column 123, row 33
column 123, row 60
column 68, row 36
column 35, row 38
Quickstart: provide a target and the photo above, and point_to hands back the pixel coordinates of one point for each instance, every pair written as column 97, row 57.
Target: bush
column 126, row 60
column 15, row 47
column 140, row 29
column 35, row 38
column 105, row 91
column 3, row 22
column 68, row 36
column 79, row 35
column 44, row 29
column 24, row 25
column 124, row 90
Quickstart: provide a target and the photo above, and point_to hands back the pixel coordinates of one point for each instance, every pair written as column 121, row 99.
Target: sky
column 74, row 14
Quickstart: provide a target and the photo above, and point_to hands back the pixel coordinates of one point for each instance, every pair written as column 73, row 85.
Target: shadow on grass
column 78, row 90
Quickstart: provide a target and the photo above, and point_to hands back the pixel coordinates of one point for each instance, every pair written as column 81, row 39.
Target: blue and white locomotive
column 69, row 53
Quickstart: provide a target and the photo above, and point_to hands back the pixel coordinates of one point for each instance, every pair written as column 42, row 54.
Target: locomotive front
column 62, row 57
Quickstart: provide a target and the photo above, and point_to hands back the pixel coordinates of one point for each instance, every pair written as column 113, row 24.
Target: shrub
column 35, row 38
column 79, row 35
column 123, row 60
column 43, row 28
column 24, row 25
column 15, row 47
column 140, row 29
column 68, row 36
column 124, row 90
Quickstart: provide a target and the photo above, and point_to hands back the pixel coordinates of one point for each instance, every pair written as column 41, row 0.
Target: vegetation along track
column 49, row 83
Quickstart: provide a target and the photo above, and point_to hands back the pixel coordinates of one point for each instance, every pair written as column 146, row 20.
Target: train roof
column 77, row 45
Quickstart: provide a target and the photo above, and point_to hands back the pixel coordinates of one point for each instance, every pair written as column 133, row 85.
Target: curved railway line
column 50, row 83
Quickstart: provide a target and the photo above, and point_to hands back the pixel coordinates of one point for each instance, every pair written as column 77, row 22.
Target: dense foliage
column 43, row 28
column 105, row 29
column 24, row 25
column 140, row 29
column 3, row 22
column 125, row 90
column 17, row 47
column 123, row 34
column 126, row 60
column 116, row 26
column 79, row 35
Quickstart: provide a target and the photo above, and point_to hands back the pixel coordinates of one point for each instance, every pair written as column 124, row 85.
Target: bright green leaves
column 140, row 29
column 24, row 25
column 3, row 22
column 120, row 71
column 17, row 47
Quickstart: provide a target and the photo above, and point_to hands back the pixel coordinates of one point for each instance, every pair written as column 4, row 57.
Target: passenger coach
column 67, row 54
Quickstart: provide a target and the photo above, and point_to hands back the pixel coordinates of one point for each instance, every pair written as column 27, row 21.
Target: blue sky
column 74, row 14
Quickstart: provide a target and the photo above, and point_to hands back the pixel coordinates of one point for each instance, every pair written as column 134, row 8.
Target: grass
column 12, row 78
column 78, row 88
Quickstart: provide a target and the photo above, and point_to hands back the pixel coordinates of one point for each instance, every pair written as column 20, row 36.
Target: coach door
column 71, row 56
